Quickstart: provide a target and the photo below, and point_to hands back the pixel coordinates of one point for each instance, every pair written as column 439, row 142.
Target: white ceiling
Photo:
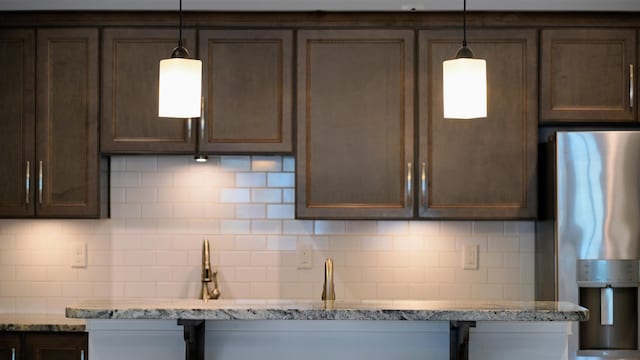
column 327, row 5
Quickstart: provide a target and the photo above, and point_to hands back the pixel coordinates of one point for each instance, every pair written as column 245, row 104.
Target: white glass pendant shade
column 464, row 83
column 180, row 88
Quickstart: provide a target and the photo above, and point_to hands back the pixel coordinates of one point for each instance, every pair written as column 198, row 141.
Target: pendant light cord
column 180, row 27
column 464, row 23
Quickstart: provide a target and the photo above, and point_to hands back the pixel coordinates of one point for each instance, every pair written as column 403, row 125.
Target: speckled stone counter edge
column 41, row 323
column 574, row 313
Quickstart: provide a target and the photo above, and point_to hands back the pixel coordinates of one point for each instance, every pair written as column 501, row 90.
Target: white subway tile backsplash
column 255, row 179
column 282, row 243
column 235, row 195
column 361, row 227
column 162, row 207
column 288, row 196
column 266, row 163
column 328, row 227
column 280, row 211
column 251, row 242
column 504, row 243
column 280, row 180
column 266, row 195
column 235, row 163
column 235, row 226
column 288, row 164
column 393, row 227
column 157, row 210
column 299, row 227
column 266, row 226
column 140, row 163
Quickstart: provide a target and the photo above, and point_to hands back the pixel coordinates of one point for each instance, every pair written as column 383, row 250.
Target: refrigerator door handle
column 606, row 305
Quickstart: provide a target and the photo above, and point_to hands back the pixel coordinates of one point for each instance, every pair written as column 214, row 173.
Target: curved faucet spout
column 208, row 275
column 328, row 291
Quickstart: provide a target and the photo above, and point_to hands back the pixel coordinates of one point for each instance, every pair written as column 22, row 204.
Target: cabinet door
column 586, row 75
column 130, row 73
column 355, row 124
column 56, row 346
column 247, row 90
column 17, row 113
column 67, row 152
column 480, row 168
column 10, row 348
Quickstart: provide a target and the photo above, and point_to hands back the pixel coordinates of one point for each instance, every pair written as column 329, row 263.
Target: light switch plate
column 470, row 257
column 79, row 254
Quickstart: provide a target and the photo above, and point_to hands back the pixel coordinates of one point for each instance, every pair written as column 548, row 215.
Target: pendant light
column 180, row 85
column 464, row 81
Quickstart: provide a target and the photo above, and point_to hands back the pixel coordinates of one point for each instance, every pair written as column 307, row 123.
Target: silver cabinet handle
column 631, row 86
column 13, row 353
column 188, row 125
column 202, row 119
column 27, row 183
column 423, row 184
column 81, row 354
column 40, row 183
column 409, row 183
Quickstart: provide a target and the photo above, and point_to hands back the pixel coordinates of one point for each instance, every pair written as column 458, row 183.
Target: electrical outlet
column 470, row 257
column 305, row 255
column 79, row 254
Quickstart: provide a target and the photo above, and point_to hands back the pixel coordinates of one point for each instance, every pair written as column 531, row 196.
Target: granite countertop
column 338, row 310
column 32, row 322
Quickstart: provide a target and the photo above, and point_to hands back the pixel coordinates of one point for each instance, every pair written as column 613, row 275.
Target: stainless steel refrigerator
column 588, row 237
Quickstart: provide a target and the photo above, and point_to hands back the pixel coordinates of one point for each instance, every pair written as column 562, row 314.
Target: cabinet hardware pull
column 631, row 86
column 202, row 119
column 188, row 124
column 40, row 183
column 13, row 353
column 27, row 183
column 423, row 184
column 409, row 184
column 81, row 354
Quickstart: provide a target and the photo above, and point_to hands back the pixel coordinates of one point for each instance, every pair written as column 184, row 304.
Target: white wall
column 163, row 206
column 327, row 5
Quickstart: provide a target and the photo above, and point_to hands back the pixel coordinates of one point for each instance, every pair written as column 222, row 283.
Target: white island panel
column 320, row 340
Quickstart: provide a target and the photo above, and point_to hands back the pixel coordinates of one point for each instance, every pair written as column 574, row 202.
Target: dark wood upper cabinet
column 49, row 112
column 586, row 75
column 67, row 151
column 480, row 168
column 247, row 91
column 130, row 72
column 355, row 123
column 17, row 119
column 56, row 346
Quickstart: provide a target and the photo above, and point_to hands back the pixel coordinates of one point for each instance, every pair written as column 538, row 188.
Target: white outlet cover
column 470, row 257
column 305, row 255
column 79, row 254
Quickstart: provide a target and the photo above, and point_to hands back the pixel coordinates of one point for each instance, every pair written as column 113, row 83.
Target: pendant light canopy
column 464, row 81
column 180, row 87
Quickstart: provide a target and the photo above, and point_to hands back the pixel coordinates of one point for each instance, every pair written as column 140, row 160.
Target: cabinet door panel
column 17, row 113
column 585, row 75
column 10, row 346
column 355, row 124
column 480, row 168
column 130, row 73
column 56, row 346
column 247, row 90
column 67, row 123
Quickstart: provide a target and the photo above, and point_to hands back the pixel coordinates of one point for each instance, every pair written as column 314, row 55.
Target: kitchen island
column 281, row 329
